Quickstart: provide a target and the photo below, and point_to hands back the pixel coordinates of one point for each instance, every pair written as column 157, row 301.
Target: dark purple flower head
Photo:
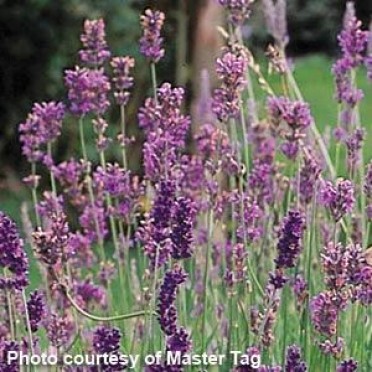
column 36, row 308
column 156, row 229
column 43, row 125
column 122, row 79
column 12, row 256
column 166, row 308
column 87, row 90
column 151, row 42
column 231, row 70
column 290, row 239
column 338, row 198
column 238, row 10
column 7, row 347
column 182, row 229
column 179, row 341
column 106, row 340
column 293, row 360
column 324, row 313
column 277, row 280
column 349, row 365
column 95, row 50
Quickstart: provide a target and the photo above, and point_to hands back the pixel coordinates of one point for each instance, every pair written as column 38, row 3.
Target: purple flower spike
column 122, row 79
column 293, row 361
column 95, row 50
column 87, row 91
column 12, row 256
column 36, row 308
column 289, row 245
column 151, row 43
column 166, row 309
column 43, row 125
column 238, row 10
column 324, row 313
column 231, row 69
column 338, row 198
column 182, row 232
column 349, row 365
column 276, row 20
column 179, row 341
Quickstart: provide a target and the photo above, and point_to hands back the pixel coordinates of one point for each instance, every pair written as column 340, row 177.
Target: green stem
column 101, row 318
column 27, row 316
column 34, row 195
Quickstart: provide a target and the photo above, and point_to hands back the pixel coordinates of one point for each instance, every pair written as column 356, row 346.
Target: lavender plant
column 227, row 251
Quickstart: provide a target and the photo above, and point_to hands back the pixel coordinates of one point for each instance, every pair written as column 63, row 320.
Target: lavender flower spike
column 166, row 309
column 95, row 51
column 238, row 10
column 293, row 362
column 151, row 42
column 12, row 256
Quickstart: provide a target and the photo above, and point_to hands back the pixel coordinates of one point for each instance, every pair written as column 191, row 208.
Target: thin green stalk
column 28, row 324
column 205, row 279
column 101, row 318
column 34, row 195
column 154, row 81
column 122, row 124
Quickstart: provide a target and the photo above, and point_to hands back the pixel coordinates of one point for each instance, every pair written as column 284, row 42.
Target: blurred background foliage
column 39, row 39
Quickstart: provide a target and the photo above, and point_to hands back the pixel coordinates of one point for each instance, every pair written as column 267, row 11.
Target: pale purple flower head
column 309, row 175
column 43, row 125
column 59, row 329
column 231, row 69
column 13, row 257
column 87, row 91
column 95, row 50
column 276, row 20
column 122, row 80
column 324, row 313
column 339, row 198
column 151, row 42
column 238, row 10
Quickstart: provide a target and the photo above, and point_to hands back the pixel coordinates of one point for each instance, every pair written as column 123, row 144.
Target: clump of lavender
column 59, row 329
column 231, row 70
column 95, row 49
column 13, row 257
column 238, row 10
column 36, row 308
column 151, row 42
column 338, row 198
